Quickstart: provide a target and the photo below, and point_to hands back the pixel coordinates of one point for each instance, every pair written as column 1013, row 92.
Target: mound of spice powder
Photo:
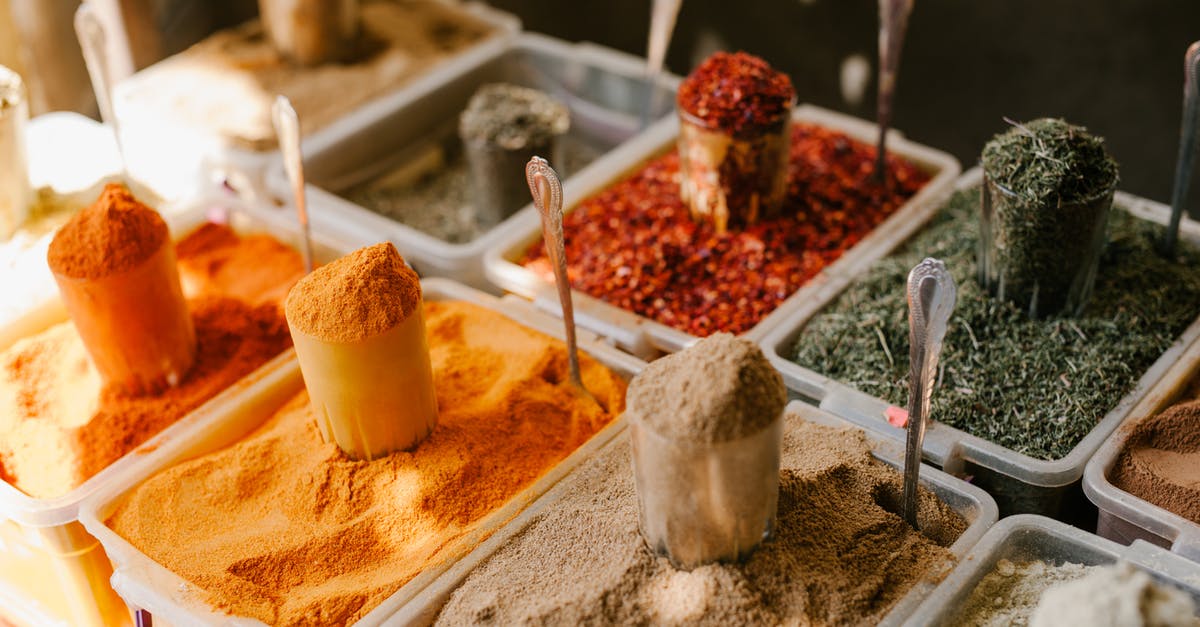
column 285, row 528
column 59, row 425
column 1034, row 386
column 1161, row 460
column 738, row 93
column 635, row 245
column 841, row 555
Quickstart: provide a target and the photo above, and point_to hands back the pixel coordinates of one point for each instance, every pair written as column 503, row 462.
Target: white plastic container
column 1020, row 483
column 1127, row 518
column 52, row 571
column 647, row 338
column 145, row 584
column 973, row 504
column 603, row 89
column 160, row 149
column 1029, row 537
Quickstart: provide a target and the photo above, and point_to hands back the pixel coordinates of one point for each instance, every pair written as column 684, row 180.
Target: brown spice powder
column 112, row 235
column 286, row 529
column 355, row 297
column 1161, row 461
column 59, row 425
column 841, row 555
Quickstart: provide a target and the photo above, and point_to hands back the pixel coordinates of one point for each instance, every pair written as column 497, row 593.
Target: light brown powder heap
column 841, row 555
column 114, row 234
column 358, row 296
column 1161, row 460
column 717, row 390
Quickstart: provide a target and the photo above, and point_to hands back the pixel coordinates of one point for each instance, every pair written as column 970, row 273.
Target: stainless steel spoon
column 287, row 128
column 1187, row 145
column 90, row 31
column 893, row 24
column 662, row 24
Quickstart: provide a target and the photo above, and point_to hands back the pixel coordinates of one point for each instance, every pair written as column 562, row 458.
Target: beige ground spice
column 840, row 556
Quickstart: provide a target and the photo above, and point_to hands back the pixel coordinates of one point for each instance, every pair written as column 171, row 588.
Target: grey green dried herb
column 1034, row 386
column 1044, row 214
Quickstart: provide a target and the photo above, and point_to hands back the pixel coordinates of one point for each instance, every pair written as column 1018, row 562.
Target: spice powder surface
column 285, row 528
column 635, row 245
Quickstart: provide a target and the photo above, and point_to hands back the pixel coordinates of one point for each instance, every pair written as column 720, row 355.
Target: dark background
column 1114, row 66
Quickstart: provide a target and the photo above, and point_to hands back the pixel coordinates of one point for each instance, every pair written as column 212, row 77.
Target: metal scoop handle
column 931, row 298
column 546, row 189
column 662, row 22
column 287, row 128
column 1187, row 145
column 90, row 31
column 893, row 24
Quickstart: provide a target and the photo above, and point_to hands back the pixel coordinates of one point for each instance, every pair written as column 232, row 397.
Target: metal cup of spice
column 14, row 176
column 502, row 128
column 311, row 32
column 706, row 427
column 1048, row 188
column 734, row 122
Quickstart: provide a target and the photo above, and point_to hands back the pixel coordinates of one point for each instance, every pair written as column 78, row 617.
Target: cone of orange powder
column 114, row 263
column 359, row 332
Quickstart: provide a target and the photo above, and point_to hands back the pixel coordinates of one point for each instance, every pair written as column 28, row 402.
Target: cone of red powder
column 114, row 263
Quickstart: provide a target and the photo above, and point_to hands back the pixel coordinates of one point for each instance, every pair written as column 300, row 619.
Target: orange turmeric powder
column 286, row 529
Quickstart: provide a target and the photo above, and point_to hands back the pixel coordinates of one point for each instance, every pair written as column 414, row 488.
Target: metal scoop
column 662, row 24
column 1187, row 145
column 287, row 128
column 90, row 31
column 893, row 23
column 546, row 189
column 931, row 298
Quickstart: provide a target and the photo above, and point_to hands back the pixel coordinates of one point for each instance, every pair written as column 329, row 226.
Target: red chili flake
column 635, row 245
column 738, row 93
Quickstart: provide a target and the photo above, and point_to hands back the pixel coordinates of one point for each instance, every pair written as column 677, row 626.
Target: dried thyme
column 1034, row 386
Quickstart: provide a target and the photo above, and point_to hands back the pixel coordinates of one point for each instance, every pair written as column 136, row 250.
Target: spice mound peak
column 1049, row 160
column 736, row 92
column 114, row 234
column 361, row 295
column 513, row 117
column 720, row 389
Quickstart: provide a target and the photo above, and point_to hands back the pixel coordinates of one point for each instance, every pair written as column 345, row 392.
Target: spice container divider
column 145, row 584
column 973, row 504
column 1124, row 517
column 647, row 338
column 200, row 156
column 1020, row 483
column 603, row 88
column 1033, row 537
column 49, row 564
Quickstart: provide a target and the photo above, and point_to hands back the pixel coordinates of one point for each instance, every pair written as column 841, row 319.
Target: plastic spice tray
column 1031, row 537
column 145, row 584
column 973, row 504
column 604, row 89
column 647, row 338
column 1020, row 483
column 52, row 571
column 198, row 156
column 1123, row 516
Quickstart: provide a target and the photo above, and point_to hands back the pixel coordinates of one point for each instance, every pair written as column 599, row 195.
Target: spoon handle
column 1187, row 144
column 92, row 40
column 931, row 298
column 546, row 189
column 287, row 127
column 662, row 22
column 893, row 24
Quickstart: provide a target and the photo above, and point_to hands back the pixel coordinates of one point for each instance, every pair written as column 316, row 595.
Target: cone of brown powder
column 360, row 338
column 114, row 263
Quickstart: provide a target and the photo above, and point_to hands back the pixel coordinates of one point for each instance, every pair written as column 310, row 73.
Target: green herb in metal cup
column 1048, row 188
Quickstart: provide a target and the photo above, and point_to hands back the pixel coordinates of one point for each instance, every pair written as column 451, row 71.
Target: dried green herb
column 1044, row 214
column 1034, row 386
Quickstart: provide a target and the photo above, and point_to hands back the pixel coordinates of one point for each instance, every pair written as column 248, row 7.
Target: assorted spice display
column 841, row 554
column 346, row 534
column 60, row 423
column 734, row 114
column 1047, row 193
column 1034, row 386
column 636, row 246
column 1161, row 460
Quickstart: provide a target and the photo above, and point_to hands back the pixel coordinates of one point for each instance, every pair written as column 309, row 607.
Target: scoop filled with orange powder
column 287, row 529
column 60, row 423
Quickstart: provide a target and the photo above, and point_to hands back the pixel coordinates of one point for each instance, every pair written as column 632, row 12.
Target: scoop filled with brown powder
column 360, row 338
column 1161, row 461
column 286, row 529
column 841, row 554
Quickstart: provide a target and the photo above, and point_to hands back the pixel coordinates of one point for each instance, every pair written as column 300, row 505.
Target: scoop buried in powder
column 706, row 426
column 114, row 264
column 360, row 339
